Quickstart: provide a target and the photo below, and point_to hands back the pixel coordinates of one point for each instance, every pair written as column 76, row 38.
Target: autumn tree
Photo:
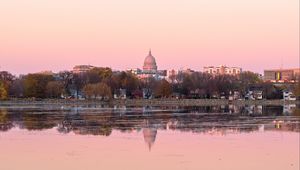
column 89, row 91
column 98, row 74
column 55, row 89
column 6, row 78
column 3, row 92
column 16, row 88
column 124, row 80
column 66, row 78
column 246, row 79
column 98, row 90
column 35, row 85
column 103, row 90
column 297, row 90
column 163, row 89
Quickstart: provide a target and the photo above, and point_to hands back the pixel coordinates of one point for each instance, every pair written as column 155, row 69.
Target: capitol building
column 150, row 69
column 150, row 64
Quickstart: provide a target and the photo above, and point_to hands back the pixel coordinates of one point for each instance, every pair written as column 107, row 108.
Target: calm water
column 88, row 137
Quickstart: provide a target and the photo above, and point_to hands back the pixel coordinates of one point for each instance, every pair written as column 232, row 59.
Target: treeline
column 103, row 83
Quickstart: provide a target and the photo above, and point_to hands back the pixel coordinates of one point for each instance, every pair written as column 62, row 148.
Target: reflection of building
column 149, row 132
column 254, row 109
column 288, row 109
column 149, row 136
column 281, row 125
column 221, row 70
column 282, row 75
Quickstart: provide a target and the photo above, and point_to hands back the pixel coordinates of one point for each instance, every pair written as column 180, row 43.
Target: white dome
column 150, row 63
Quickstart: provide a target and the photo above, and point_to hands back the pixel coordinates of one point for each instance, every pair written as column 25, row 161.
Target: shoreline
column 147, row 102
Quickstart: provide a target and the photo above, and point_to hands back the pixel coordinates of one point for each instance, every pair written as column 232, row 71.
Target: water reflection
column 168, row 137
column 149, row 136
column 214, row 120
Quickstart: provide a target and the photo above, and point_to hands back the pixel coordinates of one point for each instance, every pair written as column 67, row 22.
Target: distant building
column 147, row 93
column 222, row 70
column 254, row 93
column 172, row 76
column 82, row 68
column 282, row 75
column 186, row 71
column 288, row 95
column 162, row 74
column 47, row 72
column 150, row 69
column 135, row 71
column 150, row 64
column 120, row 94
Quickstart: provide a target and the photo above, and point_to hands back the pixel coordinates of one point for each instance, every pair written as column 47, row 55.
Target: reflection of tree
column 86, row 124
column 102, row 130
column 210, row 120
column 64, row 127
column 5, row 123
column 296, row 112
column 38, row 121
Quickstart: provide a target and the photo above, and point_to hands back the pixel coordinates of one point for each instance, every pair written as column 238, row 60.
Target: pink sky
column 55, row 35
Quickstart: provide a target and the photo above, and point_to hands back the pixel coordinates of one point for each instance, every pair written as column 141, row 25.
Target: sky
column 37, row 35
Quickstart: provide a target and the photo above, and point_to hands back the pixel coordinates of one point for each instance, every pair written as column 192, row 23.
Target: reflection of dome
column 149, row 136
column 150, row 63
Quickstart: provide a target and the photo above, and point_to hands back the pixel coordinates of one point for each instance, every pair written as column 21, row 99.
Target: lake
column 90, row 137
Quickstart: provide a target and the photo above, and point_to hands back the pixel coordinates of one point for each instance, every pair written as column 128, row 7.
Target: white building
column 135, row 71
column 149, row 69
column 221, row 70
column 82, row 68
column 288, row 95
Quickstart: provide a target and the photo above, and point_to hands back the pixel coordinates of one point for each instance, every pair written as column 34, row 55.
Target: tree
column 16, row 88
column 66, row 77
column 88, row 91
column 98, row 74
column 35, row 85
column 98, row 90
column 270, row 91
column 3, row 92
column 297, row 90
column 103, row 90
column 6, row 78
column 163, row 89
column 248, row 78
column 55, row 89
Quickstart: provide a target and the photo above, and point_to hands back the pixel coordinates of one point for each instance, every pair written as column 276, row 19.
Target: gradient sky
column 55, row 35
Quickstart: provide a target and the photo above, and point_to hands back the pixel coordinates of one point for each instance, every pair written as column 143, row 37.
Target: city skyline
column 54, row 35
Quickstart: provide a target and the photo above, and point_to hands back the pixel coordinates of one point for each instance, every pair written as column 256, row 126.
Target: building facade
column 82, row 68
column 149, row 70
column 282, row 75
column 222, row 70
